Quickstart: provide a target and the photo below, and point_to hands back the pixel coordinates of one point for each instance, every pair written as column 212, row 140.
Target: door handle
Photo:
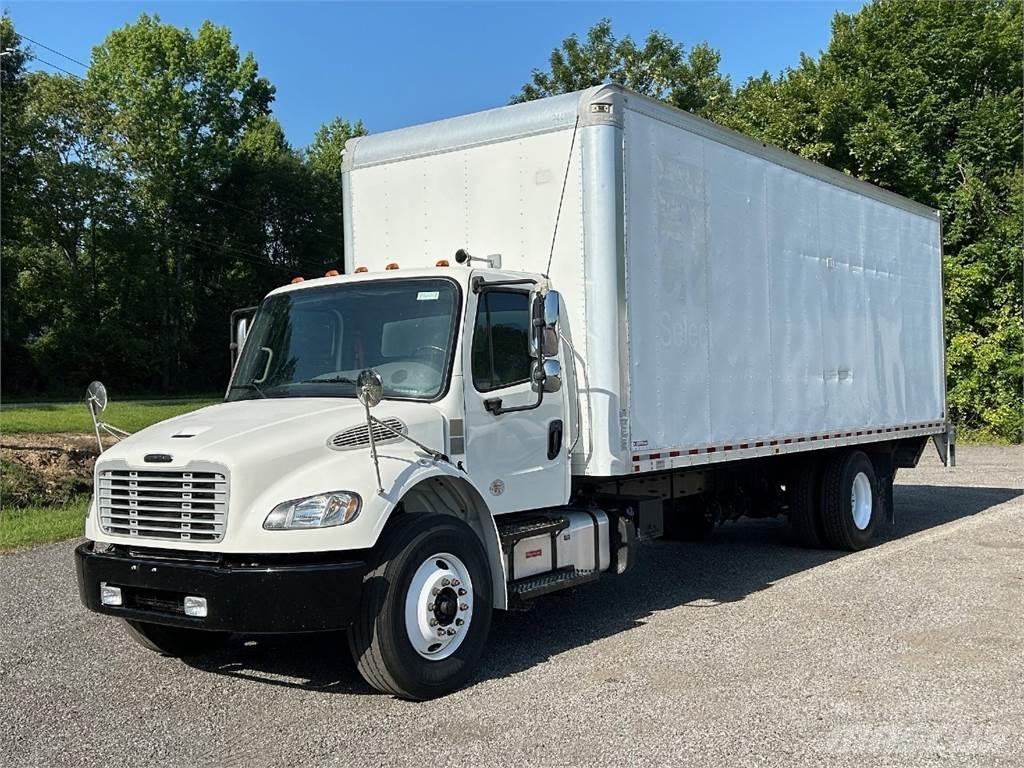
column 554, row 439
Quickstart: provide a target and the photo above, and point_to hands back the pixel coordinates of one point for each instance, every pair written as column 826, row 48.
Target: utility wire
column 51, row 64
column 54, row 50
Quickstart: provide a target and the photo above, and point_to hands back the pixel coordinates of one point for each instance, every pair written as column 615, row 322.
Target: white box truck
column 564, row 327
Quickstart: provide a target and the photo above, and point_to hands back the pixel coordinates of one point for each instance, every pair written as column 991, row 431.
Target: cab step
column 552, row 581
column 516, row 530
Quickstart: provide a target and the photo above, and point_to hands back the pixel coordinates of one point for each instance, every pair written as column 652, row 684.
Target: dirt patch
column 45, row 469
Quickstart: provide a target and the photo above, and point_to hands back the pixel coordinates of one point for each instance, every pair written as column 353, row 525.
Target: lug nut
column 462, row 592
column 459, row 622
column 455, row 582
column 464, row 606
column 435, row 591
column 430, row 606
column 451, row 632
column 445, row 582
column 433, row 622
column 441, row 632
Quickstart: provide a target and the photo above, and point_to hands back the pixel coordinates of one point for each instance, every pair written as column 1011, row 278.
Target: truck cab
column 359, row 405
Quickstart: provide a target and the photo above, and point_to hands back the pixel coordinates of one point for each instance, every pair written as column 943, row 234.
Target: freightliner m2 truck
column 564, row 327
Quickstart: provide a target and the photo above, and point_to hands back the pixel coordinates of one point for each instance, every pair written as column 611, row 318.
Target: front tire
column 851, row 506
column 425, row 609
column 175, row 641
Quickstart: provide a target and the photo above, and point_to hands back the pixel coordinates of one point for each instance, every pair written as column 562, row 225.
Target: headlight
column 322, row 511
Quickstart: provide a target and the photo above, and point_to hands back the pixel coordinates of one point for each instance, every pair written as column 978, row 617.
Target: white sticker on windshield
column 428, row 295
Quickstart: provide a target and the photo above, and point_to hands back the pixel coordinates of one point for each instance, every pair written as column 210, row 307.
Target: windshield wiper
column 332, row 380
column 251, row 386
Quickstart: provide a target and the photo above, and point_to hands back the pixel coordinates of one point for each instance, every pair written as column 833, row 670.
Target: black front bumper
column 244, row 593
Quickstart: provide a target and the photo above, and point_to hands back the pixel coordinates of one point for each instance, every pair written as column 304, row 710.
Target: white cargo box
column 725, row 299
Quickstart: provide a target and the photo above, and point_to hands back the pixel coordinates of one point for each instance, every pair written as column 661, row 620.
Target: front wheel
column 425, row 610
column 175, row 641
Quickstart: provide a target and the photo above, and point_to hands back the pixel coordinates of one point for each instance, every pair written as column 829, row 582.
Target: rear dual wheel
column 836, row 505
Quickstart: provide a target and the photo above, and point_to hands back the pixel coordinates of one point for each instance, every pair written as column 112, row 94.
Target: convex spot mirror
column 96, row 396
column 546, row 309
column 547, row 377
column 369, row 387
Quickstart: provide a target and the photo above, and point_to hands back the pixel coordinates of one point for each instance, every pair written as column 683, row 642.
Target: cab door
column 518, row 458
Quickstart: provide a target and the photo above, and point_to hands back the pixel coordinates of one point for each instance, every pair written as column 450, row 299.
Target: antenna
column 561, row 196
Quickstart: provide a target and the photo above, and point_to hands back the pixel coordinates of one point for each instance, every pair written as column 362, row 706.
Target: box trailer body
column 564, row 327
column 726, row 299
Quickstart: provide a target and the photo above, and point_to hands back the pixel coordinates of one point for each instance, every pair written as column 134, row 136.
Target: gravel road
column 743, row 650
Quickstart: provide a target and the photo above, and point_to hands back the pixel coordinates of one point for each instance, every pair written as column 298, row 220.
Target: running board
column 545, row 583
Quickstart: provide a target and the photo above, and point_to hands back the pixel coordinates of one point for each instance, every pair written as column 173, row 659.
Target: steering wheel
column 435, row 353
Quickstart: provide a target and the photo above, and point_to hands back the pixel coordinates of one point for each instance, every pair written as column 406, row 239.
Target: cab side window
column 501, row 340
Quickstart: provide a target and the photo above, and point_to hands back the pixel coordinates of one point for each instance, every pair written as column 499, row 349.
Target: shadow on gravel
column 739, row 559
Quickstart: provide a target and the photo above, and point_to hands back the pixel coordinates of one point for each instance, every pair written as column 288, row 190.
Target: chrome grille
column 358, row 436
column 163, row 504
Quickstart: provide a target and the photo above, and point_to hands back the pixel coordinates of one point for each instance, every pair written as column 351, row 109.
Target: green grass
column 74, row 417
column 30, row 526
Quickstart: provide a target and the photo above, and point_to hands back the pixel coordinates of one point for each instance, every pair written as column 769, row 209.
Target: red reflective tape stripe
column 654, row 456
column 636, row 458
column 694, row 451
column 711, row 450
column 775, row 442
column 673, row 454
column 787, row 441
column 744, row 445
column 636, row 468
column 759, row 444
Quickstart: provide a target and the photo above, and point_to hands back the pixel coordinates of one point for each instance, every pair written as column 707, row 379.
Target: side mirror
column 547, row 377
column 552, row 309
column 546, row 309
column 241, row 328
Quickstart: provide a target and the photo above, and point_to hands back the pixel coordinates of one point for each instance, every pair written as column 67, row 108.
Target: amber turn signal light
column 359, row 270
column 392, row 265
column 331, row 273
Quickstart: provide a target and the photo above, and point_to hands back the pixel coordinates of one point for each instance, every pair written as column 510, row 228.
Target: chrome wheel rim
column 861, row 501
column 439, row 606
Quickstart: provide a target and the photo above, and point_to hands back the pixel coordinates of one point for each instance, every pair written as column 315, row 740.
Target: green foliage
column 146, row 201
column 74, row 417
column 660, row 69
column 42, row 524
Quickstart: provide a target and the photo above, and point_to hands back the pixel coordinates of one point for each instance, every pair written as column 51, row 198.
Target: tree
column 659, row 69
column 178, row 109
column 15, row 172
column 924, row 98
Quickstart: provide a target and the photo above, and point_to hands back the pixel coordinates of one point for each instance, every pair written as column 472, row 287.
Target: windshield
column 314, row 342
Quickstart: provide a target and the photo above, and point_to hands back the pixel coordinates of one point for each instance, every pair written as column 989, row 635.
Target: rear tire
column 175, row 641
column 803, row 495
column 851, row 507
column 390, row 638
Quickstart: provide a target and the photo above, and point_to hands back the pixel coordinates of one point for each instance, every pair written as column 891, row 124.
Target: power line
column 51, row 64
column 54, row 50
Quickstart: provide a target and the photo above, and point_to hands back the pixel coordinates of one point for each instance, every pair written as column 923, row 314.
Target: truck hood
column 236, row 431
column 276, row 450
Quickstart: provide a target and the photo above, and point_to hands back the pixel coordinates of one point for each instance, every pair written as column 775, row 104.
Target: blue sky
column 395, row 64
